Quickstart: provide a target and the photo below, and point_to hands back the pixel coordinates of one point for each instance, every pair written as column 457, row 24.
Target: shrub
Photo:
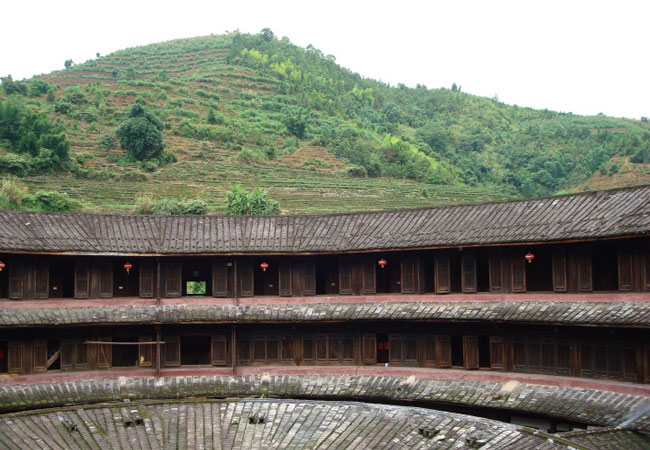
column 12, row 192
column 257, row 202
column 141, row 134
column 51, row 201
column 107, row 141
column 168, row 206
column 195, row 208
column 133, row 175
column 356, row 171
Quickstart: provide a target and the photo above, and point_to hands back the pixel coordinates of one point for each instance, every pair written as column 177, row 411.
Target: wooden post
column 157, row 281
column 233, row 357
column 158, row 351
column 235, row 290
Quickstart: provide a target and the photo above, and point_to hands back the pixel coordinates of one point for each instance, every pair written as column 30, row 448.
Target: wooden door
column 345, row 276
column 559, row 271
column 172, row 351
column 468, row 272
column 16, row 280
column 41, row 280
column 219, row 278
column 309, row 277
column 496, row 272
column 470, row 352
column 146, row 287
column 173, row 280
column 584, row 271
column 518, row 273
column 369, row 273
column 39, row 352
column 105, row 280
column 369, row 348
column 443, row 350
column 408, row 274
column 246, row 278
column 219, row 351
column 284, row 278
column 395, row 348
column 15, row 356
column 497, row 354
column 625, row 267
column 82, row 280
column 442, row 273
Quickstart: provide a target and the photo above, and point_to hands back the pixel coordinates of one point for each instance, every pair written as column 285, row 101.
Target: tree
column 68, row 63
column 141, row 134
column 240, row 202
column 267, row 34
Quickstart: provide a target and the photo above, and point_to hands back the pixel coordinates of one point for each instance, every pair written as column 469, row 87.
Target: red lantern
column 127, row 266
column 264, row 266
column 2, row 266
column 382, row 263
column 529, row 257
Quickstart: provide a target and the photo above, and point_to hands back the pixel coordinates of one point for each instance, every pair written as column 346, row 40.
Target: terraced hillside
column 318, row 137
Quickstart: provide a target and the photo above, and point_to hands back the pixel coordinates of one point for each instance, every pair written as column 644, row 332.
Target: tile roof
column 619, row 212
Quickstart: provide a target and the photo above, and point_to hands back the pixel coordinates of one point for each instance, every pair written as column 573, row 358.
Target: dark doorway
column 125, row 355
column 484, row 352
column 195, row 350
column 3, row 357
column 382, row 348
column 457, row 351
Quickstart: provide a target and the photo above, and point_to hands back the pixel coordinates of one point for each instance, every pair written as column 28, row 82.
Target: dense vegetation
column 258, row 111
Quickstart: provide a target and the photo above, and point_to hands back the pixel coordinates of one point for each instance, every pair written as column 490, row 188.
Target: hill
column 262, row 112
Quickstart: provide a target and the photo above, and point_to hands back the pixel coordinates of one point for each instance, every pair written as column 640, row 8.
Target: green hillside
column 262, row 112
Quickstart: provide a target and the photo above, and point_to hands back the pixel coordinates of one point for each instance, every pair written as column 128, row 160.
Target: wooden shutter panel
column 348, row 348
column 443, row 350
column 309, row 278
column 369, row 346
column 496, row 273
column 408, row 274
column 145, row 352
column 442, row 278
column 219, row 351
column 246, row 280
column 429, row 351
column 286, row 349
column 39, row 351
column 625, row 281
column 105, row 280
column 518, row 273
column 468, row 273
column 497, row 360
column 81, row 280
column 219, row 279
column 395, row 348
column 470, row 352
column 104, row 353
column 81, row 355
column 307, row 349
column 646, row 273
column 172, row 351
column 584, row 271
column 369, row 281
column 41, row 280
column 68, row 358
column 345, row 276
column 173, row 280
column 16, row 280
column 559, row 271
column 146, row 279
column 15, row 356
column 284, row 279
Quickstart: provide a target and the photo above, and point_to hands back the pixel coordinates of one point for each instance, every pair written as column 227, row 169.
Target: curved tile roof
column 620, row 212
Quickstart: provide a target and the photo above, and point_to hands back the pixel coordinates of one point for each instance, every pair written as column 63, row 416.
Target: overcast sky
column 584, row 57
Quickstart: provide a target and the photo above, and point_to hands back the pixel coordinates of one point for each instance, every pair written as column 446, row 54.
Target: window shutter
column 496, row 273
column 470, row 352
column 518, row 273
column 287, row 349
column 219, row 351
column 41, row 280
column 219, row 279
column 625, row 282
column 81, row 280
column 410, row 350
column 284, row 279
column 441, row 269
column 104, row 354
column 429, row 351
column 563, row 357
column 348, row 349
column 468, row 263
column 584, row 271
column 67, row 354
column 16, row 280
column 246, row 280
column 244, row 351
column 408, row 274
column 369, row 282
column 81, row 354
column 519, row 354
column 106, row 280
column 172, row 351
column 369, row 348
column 259, row 349
column 15, row 356
column 443, row 350
column 497, row 360
column 559, row 271
column 333, row 348
column 321, row 348
column 395, row 348
column 39, row 350
column 146, row 279
column 145, row 352
column 345, row 276
column 309, row 278
column 173, row 280
column 307, row 349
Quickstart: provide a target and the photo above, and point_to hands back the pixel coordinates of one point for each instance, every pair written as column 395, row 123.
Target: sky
column 584, row 57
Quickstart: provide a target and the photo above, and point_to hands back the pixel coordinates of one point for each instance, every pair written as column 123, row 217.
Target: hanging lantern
column 264, row 266
column 382, row 263
column 127, row 266
column 529, row 257
column 2, row 266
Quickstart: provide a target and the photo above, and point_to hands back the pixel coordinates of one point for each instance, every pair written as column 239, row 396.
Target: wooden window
column 369, row 273
column 443, row 350
column 468, row 272
column 584, row 271
column 559, row 271
column 39, row 350
column 442, row 273
column 496, row 272
column 105, row 280
column 429, row 351
column 497, row 360
column 219, row 351
column 547, row 355
column 146, row 279
column 309, row 278
column 81, row 280
column 172, row 351
column 272, row 351
column 345, row 276
column 16, row 280
column 81, row 355
column 284, row 279
column 259, row 349
column 563, row 357
column 67, row 354
column 369, row 346
column 287, row 349
column 145, row 352
column 629, row 363
column 41, row 280
column 348, row 349
column 408, row 274
column 333, row 347
column 625, row 280
column 518, row 273
column 395, row 348
column 586, row 360
column 219, row 278
column 308, row 349
column 15, row 356
column 244, row 350
column 246, row 278
column 321, row 348
column 519, row 355
column 173, row 280
column 470, row 352
column 410, row 350
column 104, row 353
